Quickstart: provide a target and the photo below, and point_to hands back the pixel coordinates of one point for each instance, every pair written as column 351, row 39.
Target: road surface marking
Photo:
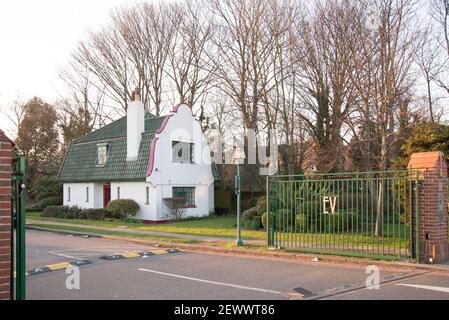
column 88, row 251
column 213, row 282
column 419, row 286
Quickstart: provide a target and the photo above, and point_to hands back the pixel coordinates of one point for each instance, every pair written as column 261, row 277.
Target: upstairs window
column 102, row 153
column 182, row 152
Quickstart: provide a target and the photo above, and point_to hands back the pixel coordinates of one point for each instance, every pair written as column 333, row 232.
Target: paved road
column 188, row 275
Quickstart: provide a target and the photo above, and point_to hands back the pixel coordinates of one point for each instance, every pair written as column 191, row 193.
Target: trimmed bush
column 44, row 195
column 95, row 214
column 123, row 208
column 251, row 220
column 50, row 201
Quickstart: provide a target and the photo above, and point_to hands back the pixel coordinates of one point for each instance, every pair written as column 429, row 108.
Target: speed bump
column 130, row 254
column 55, row 266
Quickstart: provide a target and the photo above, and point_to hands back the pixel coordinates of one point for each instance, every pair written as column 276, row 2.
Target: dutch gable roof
column 80, row 163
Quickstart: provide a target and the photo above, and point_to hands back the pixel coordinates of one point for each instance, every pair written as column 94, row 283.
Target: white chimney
column 135, row 125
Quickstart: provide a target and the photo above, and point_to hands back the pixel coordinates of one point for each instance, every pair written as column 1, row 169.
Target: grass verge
column 208, row 226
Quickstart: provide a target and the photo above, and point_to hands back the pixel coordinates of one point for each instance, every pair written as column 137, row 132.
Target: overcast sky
column 36, row 37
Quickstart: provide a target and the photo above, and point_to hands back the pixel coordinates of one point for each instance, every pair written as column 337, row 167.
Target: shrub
column 175, row 208
column 251, row 220
column 253, row 202
column 261, row 205
column 95, row 214
column 34, row 208
column 44, row 195
column 286, row 219
column 339, row 222
column 123, row 208
column 273, row 220
column 50, row 201
column 52, row 211
column 62, row 212
column 73, row 213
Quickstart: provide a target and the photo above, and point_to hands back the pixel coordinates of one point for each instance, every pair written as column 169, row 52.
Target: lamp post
column 238, row 157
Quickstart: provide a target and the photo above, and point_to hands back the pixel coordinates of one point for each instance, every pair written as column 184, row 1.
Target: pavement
column 187, row 275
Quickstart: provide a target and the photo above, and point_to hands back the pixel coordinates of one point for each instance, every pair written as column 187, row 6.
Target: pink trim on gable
column 153, row 143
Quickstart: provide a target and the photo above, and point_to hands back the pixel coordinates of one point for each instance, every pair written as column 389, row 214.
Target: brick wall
column 5, row 215
column 433, row 217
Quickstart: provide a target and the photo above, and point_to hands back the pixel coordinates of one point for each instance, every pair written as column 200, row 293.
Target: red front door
column 106, row 194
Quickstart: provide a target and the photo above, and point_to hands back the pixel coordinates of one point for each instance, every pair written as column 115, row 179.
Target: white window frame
column 107, row 147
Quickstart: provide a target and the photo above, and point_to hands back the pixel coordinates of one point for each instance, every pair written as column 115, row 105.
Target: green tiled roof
column 80, row 162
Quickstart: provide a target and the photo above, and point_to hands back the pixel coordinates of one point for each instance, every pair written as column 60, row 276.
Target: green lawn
column 208, row 226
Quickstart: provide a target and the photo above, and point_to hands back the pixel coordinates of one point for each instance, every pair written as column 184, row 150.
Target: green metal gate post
column 269, row 243
column 19, row 205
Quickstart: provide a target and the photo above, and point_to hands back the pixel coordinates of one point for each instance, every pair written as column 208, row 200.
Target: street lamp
column 238, row 158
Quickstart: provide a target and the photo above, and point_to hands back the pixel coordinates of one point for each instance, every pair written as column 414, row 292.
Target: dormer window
column 102, row 153
column 182, row 152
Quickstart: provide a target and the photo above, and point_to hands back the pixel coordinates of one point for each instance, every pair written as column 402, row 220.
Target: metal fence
column 367, row 214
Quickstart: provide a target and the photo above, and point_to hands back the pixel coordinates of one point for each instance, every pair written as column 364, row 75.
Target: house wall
column 165, row 174
column 137, row 192
column 78, row 195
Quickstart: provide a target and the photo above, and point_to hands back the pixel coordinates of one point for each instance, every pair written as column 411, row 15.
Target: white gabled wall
column 137, row 192
column 78, row 195
column 182, row 126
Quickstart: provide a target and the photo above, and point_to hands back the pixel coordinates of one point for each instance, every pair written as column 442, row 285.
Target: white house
column 145, row 158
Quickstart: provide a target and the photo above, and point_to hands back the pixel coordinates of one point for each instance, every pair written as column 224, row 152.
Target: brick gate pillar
column 5, row 215
column 433, row 217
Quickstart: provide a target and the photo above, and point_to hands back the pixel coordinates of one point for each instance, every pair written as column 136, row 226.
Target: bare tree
column 189, row 68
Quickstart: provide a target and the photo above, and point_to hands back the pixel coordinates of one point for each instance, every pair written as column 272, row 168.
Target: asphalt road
column 188, row 275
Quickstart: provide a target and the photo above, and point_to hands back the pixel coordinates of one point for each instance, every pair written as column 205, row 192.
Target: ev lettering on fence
column 332, row 202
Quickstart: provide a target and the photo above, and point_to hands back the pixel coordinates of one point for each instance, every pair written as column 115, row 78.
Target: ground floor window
column 118, row 192
column 87, row 194
column 68, row 194
column 187, row 193
column 147, row 195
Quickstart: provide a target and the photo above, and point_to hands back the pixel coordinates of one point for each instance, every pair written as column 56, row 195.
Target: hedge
column 251, row 219
column 62, row 212
column 96, row 214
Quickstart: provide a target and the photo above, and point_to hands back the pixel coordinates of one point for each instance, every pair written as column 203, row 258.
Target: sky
column 36, row 39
